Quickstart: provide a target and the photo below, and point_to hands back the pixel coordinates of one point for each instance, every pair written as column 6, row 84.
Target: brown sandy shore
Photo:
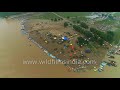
column 15, row 47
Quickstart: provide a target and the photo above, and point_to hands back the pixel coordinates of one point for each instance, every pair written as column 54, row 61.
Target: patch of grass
column 45, row 15
column 3, row 14
column 73, row 14
column 106, row 22
column 81, row 19
column 116, row 36
column 117, row 14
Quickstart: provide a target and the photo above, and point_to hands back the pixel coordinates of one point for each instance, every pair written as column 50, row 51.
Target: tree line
column 94, row 35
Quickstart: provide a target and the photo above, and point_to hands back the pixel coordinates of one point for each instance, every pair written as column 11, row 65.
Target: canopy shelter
column 87, row 51
column 65, row 38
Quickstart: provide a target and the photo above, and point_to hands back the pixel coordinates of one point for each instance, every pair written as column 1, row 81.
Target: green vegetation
column 4, row 14
column 84, row 25
column 99, row 36
column 108, row 36
column 46, row 15
column 65, row 24
column 116, row 36
column 81, row 41
column 75, row 19
column 95, row 35
column 73, row 14
column 52, row 19
column 100, row 41
column 68, row 17
column 55, row 19
column 86, row 33
column 117, row 14
column 78, row 21
column 78, row 28
column 106, row 22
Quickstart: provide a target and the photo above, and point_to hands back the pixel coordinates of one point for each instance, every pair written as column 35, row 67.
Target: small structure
column 112, row 63
column 102, row 65
column 87, row 51
column 65, row 46
column 55, row 37
column 65, row 38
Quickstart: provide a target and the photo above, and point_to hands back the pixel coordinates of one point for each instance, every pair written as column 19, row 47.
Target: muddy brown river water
column 16, row 47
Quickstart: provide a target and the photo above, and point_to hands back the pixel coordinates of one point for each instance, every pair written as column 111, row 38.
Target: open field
column 81, row 19
column 44, row 15
column 4, row 14
column 74, row 14
column 117, row 36
column 117, row 14
column 106, row 22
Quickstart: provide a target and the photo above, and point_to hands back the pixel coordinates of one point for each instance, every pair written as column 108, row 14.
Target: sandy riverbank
column 15, row 47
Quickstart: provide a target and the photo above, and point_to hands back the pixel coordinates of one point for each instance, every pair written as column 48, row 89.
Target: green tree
column 100, row 41
column 88, row 34
column 81, row 41
column 98, row 33
column 55, row 19
column 68, row 17
column 58, row 19
column 109, row 36
column 51, row 19
column 65, row 24
column 70, row 24
column 110, row 33
column 84, row 25
column 74, row 21
column 78, row 21
column 79, row 29
column 94, row 30
column 61, row 18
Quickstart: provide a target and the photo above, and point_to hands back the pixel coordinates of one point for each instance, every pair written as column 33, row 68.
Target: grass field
column 79, row 19
column 73, row 14
column 117, row 36
column 106, row 22
column 44, row 15
column 117, row 14
column 4, row 14
column 49, row 15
